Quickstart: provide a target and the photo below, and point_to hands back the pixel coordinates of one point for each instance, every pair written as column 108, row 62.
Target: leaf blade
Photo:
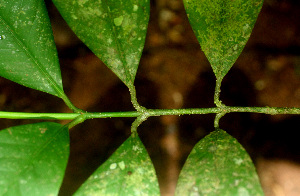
column 222, row 28
column 33, row 159
column 128, row 171
column 218, row 165
column 27, row 49
column 114, row 30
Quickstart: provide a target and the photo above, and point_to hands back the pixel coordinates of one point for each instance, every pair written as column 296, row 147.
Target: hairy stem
column 217, row 100
column 217, row 119
column 149, row 112
column 134, row 101
column 137, row 123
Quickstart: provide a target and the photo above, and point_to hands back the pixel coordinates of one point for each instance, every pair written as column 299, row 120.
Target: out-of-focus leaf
column 114, row 30
column 219, row 165
column 27, row 50
column 222, row 28
column 33, row 159
column 128, row 171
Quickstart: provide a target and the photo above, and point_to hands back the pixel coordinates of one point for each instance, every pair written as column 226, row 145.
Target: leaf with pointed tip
column 114, row 30
column 222, row 28
column 218, row 165
column 27, row 50
column 33, row 159
column 128, row 171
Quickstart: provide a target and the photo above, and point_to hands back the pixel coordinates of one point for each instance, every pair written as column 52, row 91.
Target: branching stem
column 150, row 112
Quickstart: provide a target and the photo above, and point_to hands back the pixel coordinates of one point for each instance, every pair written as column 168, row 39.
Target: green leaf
column 218, row 165
column 222, row 28
column 114, row 30
column 33, row 159
column 27, row 51
column 128, row 171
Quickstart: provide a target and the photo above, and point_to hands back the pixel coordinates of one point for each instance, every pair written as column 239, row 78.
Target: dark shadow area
column 275, row 139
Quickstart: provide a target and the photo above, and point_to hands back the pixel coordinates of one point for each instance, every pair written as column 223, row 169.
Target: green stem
column 149, row 112
column 134, row 101
column 263, row 110
column 76, row 121
column 44, row 116
column 112, row 114
column 217, row 119
column 217, row 100
column 137, row 123
column 70, row 104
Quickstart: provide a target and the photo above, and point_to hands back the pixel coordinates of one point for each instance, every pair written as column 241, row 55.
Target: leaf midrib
column 35, row 62
column 119, row 48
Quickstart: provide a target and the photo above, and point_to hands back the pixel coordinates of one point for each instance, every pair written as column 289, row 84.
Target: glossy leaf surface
column 27, row 51
column 222, row 28
column 218, row 165
column 128, row 171
column 33, row 159
column 114, row 30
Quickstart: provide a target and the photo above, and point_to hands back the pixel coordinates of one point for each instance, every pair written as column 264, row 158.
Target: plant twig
column 70, row 104
column 80, row 119
column 137, row 123
column 217, row 100
column 217, row 119
column 149, row 112
column 134, row 101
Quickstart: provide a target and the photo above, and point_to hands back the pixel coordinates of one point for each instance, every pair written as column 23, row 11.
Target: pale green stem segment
column 42, row 116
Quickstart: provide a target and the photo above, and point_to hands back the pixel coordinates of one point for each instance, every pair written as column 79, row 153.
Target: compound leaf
column 222, row 28
column 114, row 30
column 128, row 171
column 218, row 165
column 27, row 50
column 33, row 159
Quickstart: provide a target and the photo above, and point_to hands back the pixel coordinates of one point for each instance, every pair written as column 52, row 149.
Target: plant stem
column 137, row 123
column 217, row 100
column 149, row 112
column 44, row 116
column 217, row 119
column 134, row 101
column 76, row 121
column 70, row 104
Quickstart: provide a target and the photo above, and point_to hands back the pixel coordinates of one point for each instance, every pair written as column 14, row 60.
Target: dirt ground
column 174, row 73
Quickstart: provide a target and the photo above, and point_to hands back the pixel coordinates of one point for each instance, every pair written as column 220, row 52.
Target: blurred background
column 174, row 73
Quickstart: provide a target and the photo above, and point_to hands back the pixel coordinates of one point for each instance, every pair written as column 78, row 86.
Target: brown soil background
column 174, row 73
